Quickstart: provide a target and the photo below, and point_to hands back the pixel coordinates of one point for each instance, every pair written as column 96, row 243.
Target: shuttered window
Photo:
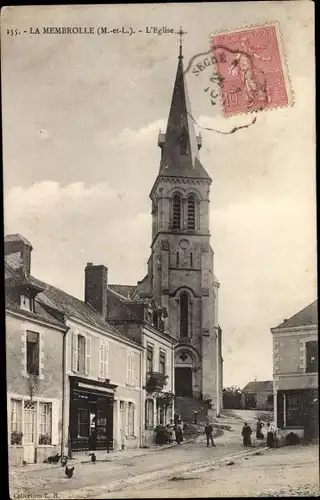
column 104, row 359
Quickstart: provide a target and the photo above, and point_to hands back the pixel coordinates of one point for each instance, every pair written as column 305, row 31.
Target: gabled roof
column 259, row 386
column 180, row 128
column 58, row 299
column 52, row 299
column 305, row 317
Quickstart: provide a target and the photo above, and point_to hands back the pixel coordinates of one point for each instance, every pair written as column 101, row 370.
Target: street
column 178, row 471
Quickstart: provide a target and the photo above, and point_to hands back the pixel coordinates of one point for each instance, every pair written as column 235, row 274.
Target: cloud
column 129, row 137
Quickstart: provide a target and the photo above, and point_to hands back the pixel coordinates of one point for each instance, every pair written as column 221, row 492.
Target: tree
column 232, row 397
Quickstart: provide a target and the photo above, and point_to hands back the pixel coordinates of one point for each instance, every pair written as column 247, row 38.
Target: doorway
column 29, row 431
column 183, row 382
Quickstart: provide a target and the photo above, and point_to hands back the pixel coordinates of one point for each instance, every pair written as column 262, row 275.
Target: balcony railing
column 155, row 381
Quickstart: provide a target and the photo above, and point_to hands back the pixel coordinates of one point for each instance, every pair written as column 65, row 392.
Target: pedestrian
column 259, row 429
column 270, row 435
column 246, row 434
column 209, row 433
column 179, row 432
column 169, row 433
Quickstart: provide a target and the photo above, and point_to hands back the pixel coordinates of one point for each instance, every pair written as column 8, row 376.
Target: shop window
column 83, row 422
column 33, row 346
column 16, row 422
column 149, row 359
column 45, row 417
column 130, row 419
column 312, row 356
column 162, row 362
column 294, row 408
column 149, row 413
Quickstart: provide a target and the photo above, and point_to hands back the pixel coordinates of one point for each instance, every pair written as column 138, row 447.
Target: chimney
column 95, row 288
column 17, row 251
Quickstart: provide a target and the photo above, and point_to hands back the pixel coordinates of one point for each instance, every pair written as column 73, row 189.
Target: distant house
column 257, row 395
column 295, row 372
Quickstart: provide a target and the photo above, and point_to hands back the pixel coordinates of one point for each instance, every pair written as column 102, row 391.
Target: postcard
column 160, row 250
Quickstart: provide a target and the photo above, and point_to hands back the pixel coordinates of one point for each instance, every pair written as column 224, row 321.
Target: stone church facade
column 180, row 275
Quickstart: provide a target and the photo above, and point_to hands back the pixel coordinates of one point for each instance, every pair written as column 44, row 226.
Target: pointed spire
column 180, row 145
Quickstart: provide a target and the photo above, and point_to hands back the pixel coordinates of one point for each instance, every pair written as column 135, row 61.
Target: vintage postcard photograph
column 161, row 314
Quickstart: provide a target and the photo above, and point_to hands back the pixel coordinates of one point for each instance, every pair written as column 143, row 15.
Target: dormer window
column 26, row 303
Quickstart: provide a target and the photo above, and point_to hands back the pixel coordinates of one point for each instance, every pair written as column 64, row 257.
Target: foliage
column 165, row 398
column 44, row 439
column 16, row 437
column 232, row 397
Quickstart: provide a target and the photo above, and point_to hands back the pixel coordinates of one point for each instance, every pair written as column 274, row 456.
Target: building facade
column 180, row 275
column 295, row 377
column 144, row 322
column 34, row 347
column 258, row 395
column 74, row 382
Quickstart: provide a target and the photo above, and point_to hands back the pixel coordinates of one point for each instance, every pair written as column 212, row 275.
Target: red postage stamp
column 251, row 70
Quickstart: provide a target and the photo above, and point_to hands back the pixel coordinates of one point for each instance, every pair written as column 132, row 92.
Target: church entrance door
column 183, row 382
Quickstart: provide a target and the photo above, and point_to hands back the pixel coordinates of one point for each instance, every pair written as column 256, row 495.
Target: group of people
column 270, row 432
column 175, row 430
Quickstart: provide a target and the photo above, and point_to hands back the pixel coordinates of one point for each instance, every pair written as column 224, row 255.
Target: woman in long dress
column 270, row 435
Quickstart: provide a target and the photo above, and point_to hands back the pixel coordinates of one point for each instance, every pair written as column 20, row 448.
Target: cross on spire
column 181, row 33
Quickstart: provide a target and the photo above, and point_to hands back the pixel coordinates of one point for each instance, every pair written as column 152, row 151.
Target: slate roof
column 259, row 386
column 39, row 313
column 53, row 299
column 17, row 237
column 125, row 290
column 305, row 317
column 180, row 124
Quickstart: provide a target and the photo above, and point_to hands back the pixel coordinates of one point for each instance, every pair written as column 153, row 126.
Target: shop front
column 91, row 415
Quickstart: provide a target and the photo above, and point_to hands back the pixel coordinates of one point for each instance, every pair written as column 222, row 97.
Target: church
column 180, row 279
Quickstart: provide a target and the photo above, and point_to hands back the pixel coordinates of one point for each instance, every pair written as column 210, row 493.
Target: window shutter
column 101, row 363
column 88, row 356
column 106, row 359
column 135, row 421
column 129, row 367
column 55, row 422
column 134, row 369
column 75, row 352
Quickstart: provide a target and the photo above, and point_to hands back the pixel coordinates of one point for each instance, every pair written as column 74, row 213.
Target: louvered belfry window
column 191, row 212
column 176, row 211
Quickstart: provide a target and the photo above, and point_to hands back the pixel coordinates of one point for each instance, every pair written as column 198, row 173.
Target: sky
column 81, row 116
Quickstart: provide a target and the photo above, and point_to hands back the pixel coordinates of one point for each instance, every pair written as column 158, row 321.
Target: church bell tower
column 180, row 269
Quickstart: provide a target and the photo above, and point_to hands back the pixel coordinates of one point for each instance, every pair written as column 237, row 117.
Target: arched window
column 184, row 142
column 191, row 259
column 184, row 315
column 176, row 204
column 177, row 258
column 191, row 212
